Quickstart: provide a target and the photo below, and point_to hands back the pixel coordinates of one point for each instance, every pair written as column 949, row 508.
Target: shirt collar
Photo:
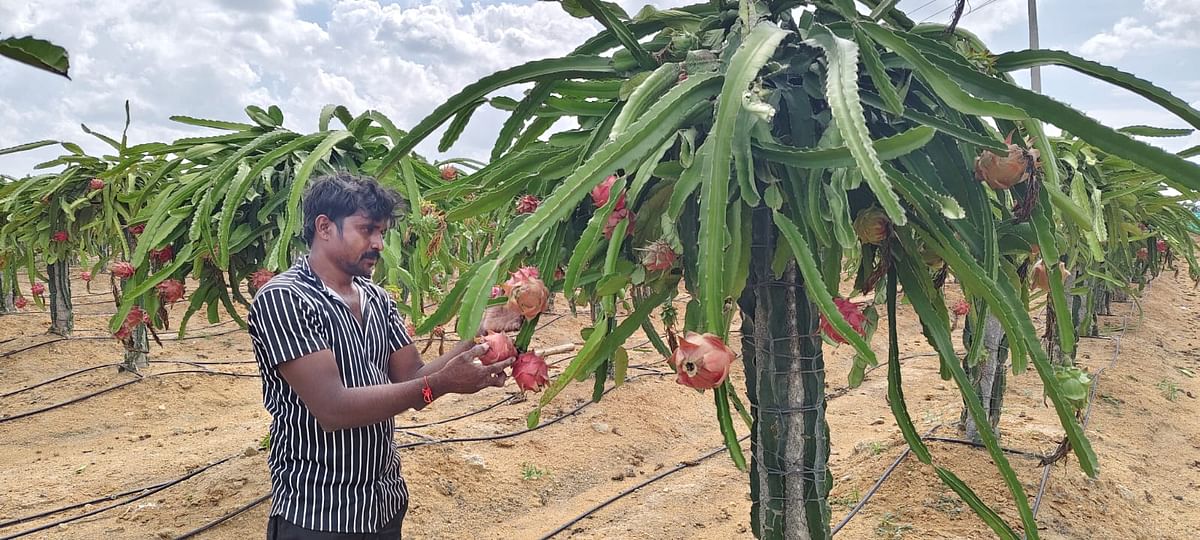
column 306, row 272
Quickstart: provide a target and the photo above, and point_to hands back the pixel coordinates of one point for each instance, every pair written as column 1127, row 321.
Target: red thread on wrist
column 427, row 392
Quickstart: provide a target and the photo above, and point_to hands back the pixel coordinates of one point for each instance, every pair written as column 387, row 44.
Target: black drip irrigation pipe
column 679, row 467
column 121, row 385
column 61, row 339
column 886, row 473
column 159, row 487
column 56, row 379
column 1037, row 502
column 487, row 408
column 1013, row 451
column 31, row 347
column 224, row 518
column 102, row 366
column 145, row 492
column 432, row 442
column 509, row 435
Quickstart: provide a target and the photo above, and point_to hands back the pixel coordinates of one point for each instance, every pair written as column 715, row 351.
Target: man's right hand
column 463, row 374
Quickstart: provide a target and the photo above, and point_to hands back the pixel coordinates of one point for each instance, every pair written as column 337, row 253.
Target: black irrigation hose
column 886, row 473
column 431, row 442
column 146, row 493
column 459, row 417
column 1037, row 502
column 224, row 518
column 1013, row 451
column 679, row 467
column 61, row 339
column 204, row 362
column 121, row 385
column 501, row 436
column 1045, row 472
column 718, row 450
column 56, row 379
column 484, row 409
column 159, row 487
column 31, row 347
column 101, row 366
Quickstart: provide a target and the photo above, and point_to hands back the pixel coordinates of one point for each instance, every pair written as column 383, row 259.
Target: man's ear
column 325, row 227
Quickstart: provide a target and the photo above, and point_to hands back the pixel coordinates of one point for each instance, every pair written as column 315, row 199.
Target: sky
column 211, row 58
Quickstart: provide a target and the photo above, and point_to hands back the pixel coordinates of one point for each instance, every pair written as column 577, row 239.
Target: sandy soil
column 1143, row 426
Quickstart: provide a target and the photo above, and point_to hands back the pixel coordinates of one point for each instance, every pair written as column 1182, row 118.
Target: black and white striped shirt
column 348, row 480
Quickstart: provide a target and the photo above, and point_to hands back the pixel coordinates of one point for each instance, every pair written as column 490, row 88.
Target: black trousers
column 282, row 529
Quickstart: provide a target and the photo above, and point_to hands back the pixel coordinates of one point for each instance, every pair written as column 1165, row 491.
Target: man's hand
column 499, row 319
column 463, row 374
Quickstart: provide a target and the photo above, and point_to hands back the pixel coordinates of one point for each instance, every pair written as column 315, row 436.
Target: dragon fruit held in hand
column 500, row 347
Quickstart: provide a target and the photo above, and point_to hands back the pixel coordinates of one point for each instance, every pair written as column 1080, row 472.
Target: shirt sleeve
column 397, row 335
column 284, row 327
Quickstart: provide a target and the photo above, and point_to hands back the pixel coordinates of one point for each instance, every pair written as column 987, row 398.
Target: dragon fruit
column 121, row 269
column 59, row 236
column 171, row 291
column 136, row 316
column 1005, row 172
column 1041, row 278
column 500, row 347
column 526, row 292
column 137, row 229
column 603, row 190
column 961, row 308
column 85, row 275
column 853, row 314
column 449, row 173
column 871, row 225
column 530, row 372
column 701, row 361
column 95, row 184
column 658, row 256
column 615, row 218
column 37, row 289
column 20, row 302
column 162, row 256
column 259, row 278
column 527, row 204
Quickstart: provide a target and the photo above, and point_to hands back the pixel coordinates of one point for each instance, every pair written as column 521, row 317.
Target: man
column 337, row 365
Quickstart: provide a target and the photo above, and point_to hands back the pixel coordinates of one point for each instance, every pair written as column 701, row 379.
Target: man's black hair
column 343, row 194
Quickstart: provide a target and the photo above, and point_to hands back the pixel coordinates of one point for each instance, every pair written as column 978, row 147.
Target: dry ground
column 1144, row 427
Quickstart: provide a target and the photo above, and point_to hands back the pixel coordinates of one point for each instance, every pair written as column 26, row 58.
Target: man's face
column 358, row 243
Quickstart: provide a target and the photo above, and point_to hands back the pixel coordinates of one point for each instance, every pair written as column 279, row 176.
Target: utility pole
column 1035, row 72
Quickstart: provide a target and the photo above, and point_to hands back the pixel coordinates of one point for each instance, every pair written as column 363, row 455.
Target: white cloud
column 992, row 17
column 1164, row 23
column 217, row 56
column 985, row 18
